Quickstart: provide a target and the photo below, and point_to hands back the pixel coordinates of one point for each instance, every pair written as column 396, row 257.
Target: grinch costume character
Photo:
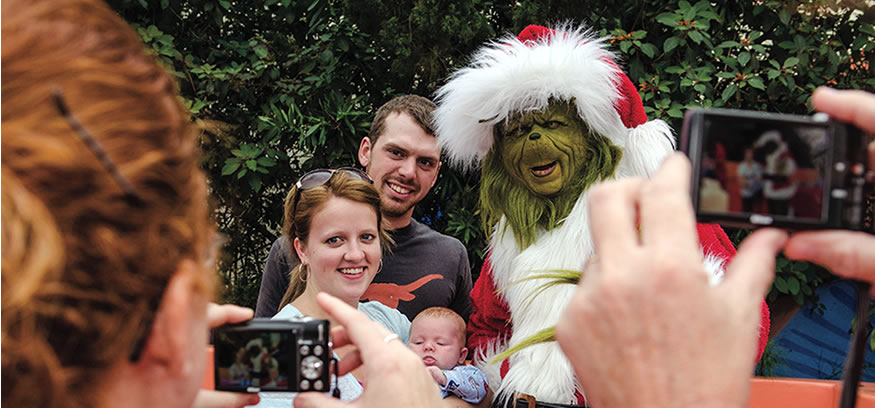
column 546, row 115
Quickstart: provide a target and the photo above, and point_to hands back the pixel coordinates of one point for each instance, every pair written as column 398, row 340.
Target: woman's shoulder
column 390, row 318
column 288, row 311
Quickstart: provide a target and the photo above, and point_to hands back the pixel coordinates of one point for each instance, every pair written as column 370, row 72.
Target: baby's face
column 437, row 341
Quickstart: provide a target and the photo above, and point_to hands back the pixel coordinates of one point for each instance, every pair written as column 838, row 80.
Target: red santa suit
column 520, row 74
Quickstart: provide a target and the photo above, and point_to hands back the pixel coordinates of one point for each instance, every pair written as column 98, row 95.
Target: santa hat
column 520, row 74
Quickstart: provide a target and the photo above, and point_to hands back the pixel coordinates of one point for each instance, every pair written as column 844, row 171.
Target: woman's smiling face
column 343, row 250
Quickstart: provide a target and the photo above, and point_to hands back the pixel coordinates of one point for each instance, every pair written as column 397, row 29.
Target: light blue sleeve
column 390, row 318
column 466, row 382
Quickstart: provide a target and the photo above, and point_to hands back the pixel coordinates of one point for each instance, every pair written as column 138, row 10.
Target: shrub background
column 282, row 86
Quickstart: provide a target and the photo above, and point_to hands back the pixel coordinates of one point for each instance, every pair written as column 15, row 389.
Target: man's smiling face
column 403, row 162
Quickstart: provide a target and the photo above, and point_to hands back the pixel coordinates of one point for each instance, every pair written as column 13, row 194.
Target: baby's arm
column 438, row 375
column 466, row 382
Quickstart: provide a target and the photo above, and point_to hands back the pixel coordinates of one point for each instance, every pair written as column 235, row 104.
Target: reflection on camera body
column 273, row 355
column 764, row 169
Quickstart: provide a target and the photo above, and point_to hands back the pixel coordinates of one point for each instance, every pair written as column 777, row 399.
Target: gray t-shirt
column 424, row 268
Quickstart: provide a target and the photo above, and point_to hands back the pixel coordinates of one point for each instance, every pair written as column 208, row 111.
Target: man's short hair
column 419, row 108
column 443, row 312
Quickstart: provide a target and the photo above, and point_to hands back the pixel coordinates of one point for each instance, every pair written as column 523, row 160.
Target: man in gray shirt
column 425, row 268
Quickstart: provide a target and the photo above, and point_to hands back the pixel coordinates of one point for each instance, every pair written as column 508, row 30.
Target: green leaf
column 238, row 153
column 728, row 92
column 793, row 285
column 696, row 37
column 791, row 62
column 744, row 58
column 266, row 161
column 774, row 73
column 648, row 49
column 255, row 183
column 668, row 19
column 230, row 167
column 728, row 44
column 781, row 284
column 701, row 88
column 781, row 263
column 624, row 46
column 674, row 69
column 251, row 164
column 757, row 83
column 725, row 75
column 260, row 51
column 670, row 44
column 225, row 4
column 784, row 16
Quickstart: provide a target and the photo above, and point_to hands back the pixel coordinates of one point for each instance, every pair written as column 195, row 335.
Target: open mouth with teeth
column 352, row 272
column 545, row 170
column 398, row 189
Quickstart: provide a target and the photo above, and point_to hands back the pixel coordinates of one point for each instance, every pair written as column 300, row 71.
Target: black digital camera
column 288, row 355
column 765, row 169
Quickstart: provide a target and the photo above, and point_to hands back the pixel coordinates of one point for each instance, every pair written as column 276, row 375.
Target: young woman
column 334, row 226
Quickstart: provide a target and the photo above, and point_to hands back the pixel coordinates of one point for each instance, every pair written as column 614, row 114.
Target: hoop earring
column 304, row 270
column 380, row 268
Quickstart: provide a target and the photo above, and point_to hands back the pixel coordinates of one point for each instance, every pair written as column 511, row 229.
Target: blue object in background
column 812, row 345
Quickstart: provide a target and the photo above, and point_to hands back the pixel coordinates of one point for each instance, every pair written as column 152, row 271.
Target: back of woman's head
column 298, row 217
column 119, row 253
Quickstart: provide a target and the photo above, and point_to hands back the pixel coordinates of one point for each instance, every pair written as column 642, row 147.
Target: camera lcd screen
column 253, row 358
column 759, row 166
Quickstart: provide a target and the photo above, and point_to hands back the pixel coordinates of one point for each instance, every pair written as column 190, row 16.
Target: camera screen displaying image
column 749, row 166
column 256, row 358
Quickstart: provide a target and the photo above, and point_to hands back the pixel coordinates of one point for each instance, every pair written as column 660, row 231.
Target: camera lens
column 311, row 367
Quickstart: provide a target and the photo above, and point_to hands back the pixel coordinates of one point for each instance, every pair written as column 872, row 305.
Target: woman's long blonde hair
column 84, row 267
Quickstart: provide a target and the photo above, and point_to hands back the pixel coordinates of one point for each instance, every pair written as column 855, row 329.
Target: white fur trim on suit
column 645, row 148
column 508, row 76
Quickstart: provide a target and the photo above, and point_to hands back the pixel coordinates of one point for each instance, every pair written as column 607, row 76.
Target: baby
column 437, row 334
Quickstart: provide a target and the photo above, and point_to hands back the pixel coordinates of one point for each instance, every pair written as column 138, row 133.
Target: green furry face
column 543, row 150
column 539, row 166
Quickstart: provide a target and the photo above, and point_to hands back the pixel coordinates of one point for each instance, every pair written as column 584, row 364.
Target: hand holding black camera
column 765, row 169
column 273, row 355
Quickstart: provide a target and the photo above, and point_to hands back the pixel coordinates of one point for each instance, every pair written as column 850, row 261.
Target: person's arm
column 274, row 280
column 462, row 301
column 846, row 253
column 466, row 382
column 645, row 327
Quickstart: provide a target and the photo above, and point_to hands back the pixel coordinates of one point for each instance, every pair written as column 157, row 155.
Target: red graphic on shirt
column 390, row 294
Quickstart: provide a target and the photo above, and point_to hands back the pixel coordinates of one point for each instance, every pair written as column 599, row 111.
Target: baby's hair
column 441, row 312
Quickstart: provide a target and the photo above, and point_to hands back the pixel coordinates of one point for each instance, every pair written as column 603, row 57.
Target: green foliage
column 284, row 86
column 772, row 359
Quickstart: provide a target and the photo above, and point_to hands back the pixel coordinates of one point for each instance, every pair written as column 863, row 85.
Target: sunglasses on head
column 316, row 178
